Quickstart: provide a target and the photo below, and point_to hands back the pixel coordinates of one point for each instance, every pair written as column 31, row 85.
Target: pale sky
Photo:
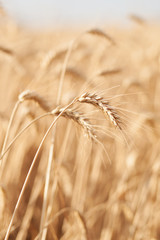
column 70, row 12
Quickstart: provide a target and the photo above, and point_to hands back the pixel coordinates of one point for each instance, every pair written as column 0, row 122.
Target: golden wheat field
column 80, row 133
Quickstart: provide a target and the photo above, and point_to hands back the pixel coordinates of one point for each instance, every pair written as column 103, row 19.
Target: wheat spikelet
column 77, row 117
column 103, row 105
column 31, row 95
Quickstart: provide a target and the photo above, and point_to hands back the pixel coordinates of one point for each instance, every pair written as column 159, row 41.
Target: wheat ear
column 77, row 117
column 32, row 95
column 103, row 105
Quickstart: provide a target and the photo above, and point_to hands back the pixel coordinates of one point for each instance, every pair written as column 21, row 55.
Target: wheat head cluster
column 80, row 133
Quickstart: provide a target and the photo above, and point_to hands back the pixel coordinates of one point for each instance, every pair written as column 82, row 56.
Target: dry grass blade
column 103, row 105
column 100, row 33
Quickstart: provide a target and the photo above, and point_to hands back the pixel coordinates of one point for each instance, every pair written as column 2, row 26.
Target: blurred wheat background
column 96, row 175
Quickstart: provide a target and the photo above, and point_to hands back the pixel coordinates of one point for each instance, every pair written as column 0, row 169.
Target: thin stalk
column 6, row 136
column 9, row 125
column 45, row 198
column 35, row 193
column 20, row 133
column 49, row 209
column 44, row 207
column 64, row 71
